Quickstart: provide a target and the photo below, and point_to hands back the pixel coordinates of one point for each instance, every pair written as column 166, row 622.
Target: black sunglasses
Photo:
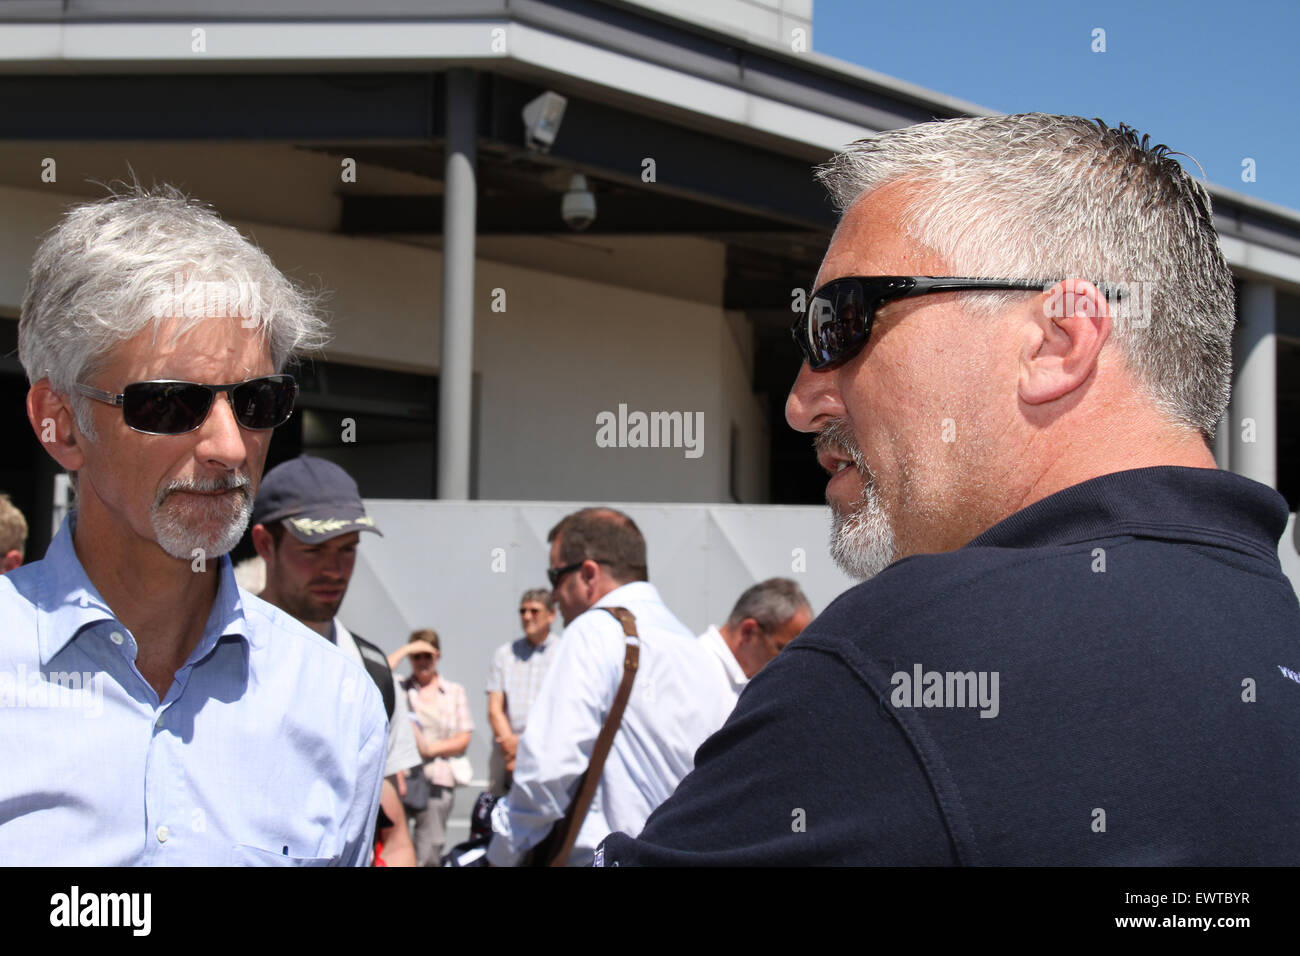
column 840, row 314
column 556, row 575
column 174, row 408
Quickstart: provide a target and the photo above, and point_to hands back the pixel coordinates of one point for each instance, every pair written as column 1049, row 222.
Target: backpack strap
column 377, row 667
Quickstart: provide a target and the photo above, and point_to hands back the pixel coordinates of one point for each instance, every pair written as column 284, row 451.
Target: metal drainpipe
column 459, row 225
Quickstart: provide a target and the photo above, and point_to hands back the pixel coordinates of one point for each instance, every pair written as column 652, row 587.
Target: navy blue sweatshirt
column 1109, row 676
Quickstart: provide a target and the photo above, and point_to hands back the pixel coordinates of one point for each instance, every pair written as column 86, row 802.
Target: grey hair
column 542, row 596
column 771, row 603
column 115, row 267
column 1038, row 196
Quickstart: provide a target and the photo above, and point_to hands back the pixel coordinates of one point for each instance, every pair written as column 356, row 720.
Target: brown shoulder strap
column 577, row 812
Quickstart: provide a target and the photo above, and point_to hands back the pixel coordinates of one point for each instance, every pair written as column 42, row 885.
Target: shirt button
column 116, row 637
column 163, row 834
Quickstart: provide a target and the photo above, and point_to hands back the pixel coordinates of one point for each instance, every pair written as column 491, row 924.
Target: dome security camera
column 578, row 208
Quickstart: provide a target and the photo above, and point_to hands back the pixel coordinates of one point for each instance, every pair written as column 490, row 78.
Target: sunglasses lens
column 556, row 575
column 173, row 408
column 835, row 326
column 265, row 402
column 165, row 408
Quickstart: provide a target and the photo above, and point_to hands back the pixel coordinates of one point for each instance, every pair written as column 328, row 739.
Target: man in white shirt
column 766, row 618
column 597, row 560
column 307, row 523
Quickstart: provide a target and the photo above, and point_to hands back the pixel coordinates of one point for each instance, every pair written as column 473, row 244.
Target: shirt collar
column 735, row 673
column 68, row 602
column 337, row 633
column 1203, row 505
column 634, row 592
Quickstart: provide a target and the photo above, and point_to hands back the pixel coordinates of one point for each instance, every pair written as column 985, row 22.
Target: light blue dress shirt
column 267, row 749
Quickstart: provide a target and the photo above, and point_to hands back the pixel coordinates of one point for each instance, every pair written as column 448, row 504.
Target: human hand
column 509, row 745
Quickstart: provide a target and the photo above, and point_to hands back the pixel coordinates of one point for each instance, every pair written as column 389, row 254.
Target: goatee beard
column 209, row 526
column 862, row 538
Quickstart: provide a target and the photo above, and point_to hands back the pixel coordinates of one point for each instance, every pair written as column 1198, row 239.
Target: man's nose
column 221, row 440
column 333, row 563
column 814, row 397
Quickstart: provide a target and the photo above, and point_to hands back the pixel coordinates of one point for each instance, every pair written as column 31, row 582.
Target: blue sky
column 1217, row 80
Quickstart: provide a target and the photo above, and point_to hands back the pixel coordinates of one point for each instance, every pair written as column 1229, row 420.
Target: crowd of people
column 307, row 520
column 1072, row 643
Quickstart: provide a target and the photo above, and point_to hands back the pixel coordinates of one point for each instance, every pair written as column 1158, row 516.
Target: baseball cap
column 315, row 499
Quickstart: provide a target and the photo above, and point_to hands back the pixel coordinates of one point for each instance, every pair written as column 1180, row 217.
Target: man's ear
column 589, row 572
column 263, row 543
column 1063, row 342
column 50, row 413
column 749, row 630
column 9, row 560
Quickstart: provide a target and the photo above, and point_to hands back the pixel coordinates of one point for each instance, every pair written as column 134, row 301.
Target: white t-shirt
column 402, row 751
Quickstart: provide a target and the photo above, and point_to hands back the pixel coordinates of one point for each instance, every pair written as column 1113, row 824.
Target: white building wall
column 567, row 350
column 28, row 215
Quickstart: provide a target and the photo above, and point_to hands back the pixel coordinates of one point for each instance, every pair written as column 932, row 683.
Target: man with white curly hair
column 153, row 712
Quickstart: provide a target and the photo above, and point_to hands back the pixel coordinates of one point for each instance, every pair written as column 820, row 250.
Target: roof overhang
column 801, row 104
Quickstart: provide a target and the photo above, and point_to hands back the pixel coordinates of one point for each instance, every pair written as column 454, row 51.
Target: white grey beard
column 862, row 541
column 213, row 526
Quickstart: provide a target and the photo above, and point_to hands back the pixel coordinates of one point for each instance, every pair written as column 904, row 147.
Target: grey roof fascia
column 1247, row 224
column 759, row 68
column 218, row 11
column 810, row 81
column 819, row 62
column 694, row 48
column 1238, row 200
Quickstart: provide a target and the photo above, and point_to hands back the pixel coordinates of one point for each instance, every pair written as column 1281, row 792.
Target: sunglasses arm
column 99, row 395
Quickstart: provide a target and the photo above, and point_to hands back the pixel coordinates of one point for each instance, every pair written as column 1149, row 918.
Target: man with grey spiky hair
column 766, row 618
column 1074, row 643
column 193, row 723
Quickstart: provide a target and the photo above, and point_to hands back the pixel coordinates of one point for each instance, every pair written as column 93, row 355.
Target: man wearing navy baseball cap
column 307, row 523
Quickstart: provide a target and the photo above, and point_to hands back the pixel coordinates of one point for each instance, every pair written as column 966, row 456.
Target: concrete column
column 459, row 225
column 1253, row 413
